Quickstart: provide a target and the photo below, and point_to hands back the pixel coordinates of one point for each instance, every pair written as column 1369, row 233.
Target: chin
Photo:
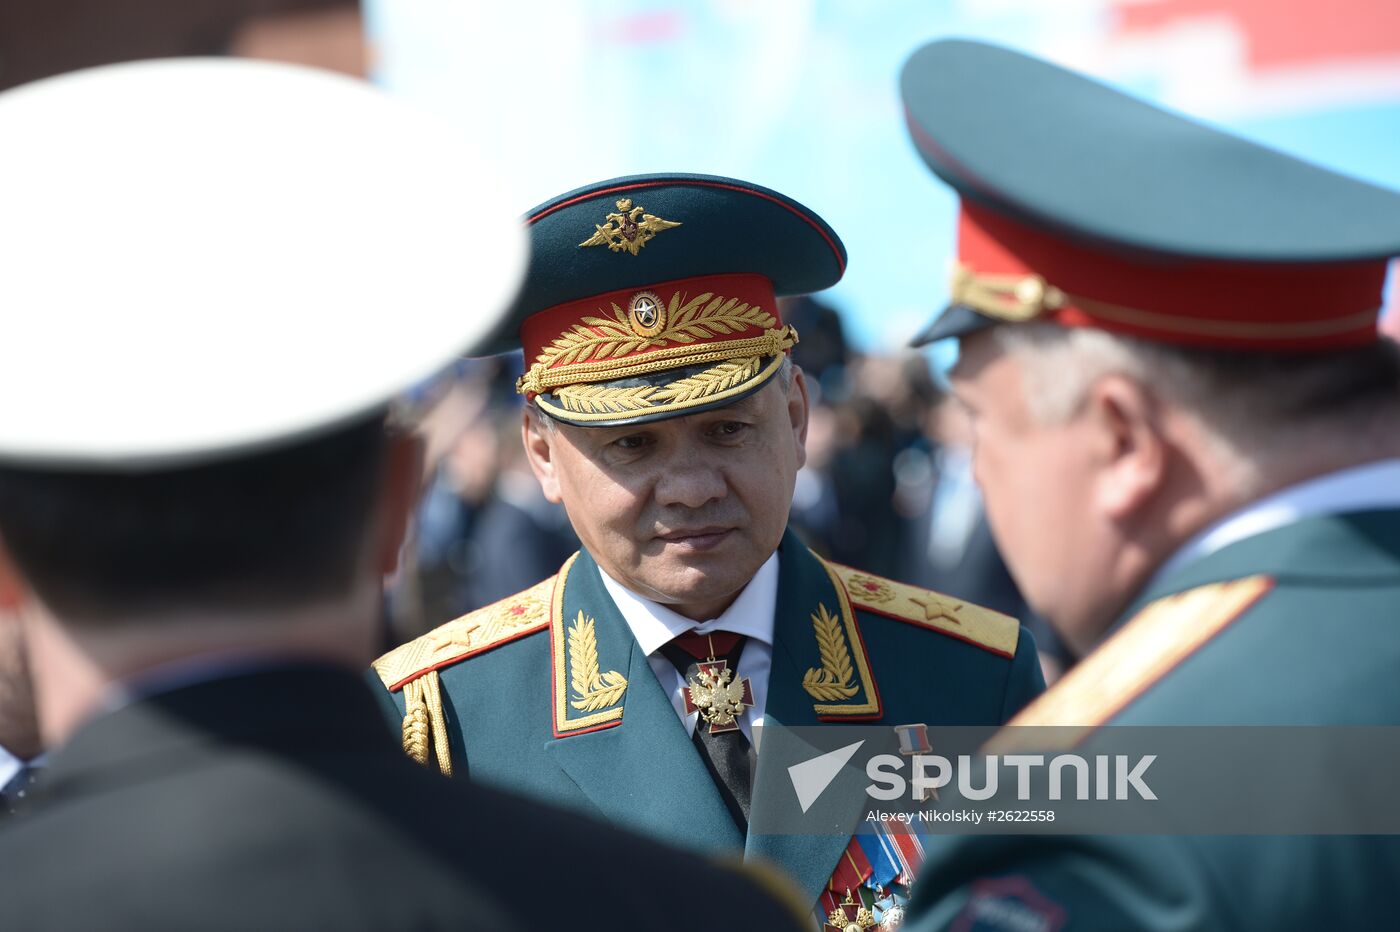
column 699, row 584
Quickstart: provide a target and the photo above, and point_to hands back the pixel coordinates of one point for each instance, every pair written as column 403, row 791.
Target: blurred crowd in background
column 888, row 484
column 41, row 38
column 888, row 487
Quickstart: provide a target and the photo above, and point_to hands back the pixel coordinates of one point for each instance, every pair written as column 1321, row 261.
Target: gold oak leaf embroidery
column 833, row 681
column 604, row 399
column 595, row 691
column 712, row 381
column 702, row 317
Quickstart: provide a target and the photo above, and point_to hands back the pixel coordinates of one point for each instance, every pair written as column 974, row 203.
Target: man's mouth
column 697, row 538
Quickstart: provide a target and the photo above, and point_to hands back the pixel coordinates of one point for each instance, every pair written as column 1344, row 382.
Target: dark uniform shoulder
column 955, row 618
column 464, row 637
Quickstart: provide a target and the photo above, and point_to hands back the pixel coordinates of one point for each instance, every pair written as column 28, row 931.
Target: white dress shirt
column 1359, row 488
column 751, row 615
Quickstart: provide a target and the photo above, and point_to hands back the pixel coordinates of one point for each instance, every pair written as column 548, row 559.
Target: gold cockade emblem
column 628, row 229
column 717, row 696
column 646, row 314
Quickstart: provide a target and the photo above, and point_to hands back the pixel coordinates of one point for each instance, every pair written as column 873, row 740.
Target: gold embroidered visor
column 665, row 350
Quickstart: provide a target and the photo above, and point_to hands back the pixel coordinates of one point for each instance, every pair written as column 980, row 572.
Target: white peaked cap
column 202, row 256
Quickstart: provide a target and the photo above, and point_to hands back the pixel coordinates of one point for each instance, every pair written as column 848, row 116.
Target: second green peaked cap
column 1084, row 206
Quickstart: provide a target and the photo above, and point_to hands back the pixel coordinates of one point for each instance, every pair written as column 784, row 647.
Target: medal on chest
column 720, row 699
column 850, row 916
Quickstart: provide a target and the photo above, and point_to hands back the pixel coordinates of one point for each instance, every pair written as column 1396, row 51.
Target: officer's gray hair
column 1252, row 408
column 784, row 379
column 785, row 373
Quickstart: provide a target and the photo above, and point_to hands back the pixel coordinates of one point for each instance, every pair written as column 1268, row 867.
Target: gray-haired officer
column 1186, row 432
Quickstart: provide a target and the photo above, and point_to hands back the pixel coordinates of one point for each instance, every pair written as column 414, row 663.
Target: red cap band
column 1197, row 302
column 635, row 331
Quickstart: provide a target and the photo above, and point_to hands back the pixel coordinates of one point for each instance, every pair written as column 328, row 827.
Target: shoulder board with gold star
column 981, row 627
column 1152, row 644
column 473, row 633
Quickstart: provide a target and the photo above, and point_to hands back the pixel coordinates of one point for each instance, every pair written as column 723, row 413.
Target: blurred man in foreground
column 221, row 272
column 1186, row 431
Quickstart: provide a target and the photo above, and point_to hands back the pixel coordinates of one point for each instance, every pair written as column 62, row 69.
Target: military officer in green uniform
column 663, row 411
column 1186, row 429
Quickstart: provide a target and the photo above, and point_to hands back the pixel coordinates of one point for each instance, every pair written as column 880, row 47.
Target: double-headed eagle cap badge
column 628, row 228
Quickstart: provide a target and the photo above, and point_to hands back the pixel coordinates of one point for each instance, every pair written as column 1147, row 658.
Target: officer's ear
column 538, row 435
column 1129, row 445
column 798, row 408
column 401, row 485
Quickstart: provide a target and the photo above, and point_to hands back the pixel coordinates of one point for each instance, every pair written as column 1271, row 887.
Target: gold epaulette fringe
column 413, row 667
column 424, row 723
column 982, row 627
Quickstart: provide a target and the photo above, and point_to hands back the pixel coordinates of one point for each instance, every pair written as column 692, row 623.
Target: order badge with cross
column 850, row 916
column 719, row 698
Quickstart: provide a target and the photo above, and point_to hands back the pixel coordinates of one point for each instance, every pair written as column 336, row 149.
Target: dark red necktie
column 726, row 754
column 717, row 644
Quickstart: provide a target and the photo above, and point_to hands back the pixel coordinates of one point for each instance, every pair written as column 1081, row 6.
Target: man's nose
column 691, row 481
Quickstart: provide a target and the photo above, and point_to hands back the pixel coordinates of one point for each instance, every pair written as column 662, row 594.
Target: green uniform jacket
column 548, row 694
column 1296, row 626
